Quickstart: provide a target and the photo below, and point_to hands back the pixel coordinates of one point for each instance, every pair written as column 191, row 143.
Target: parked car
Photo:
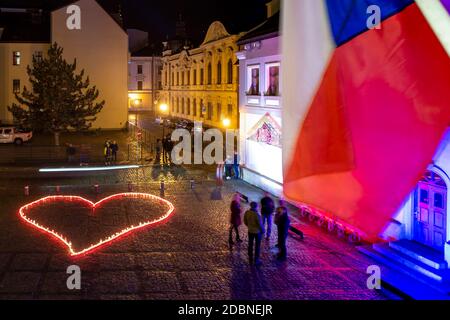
column 14, row 135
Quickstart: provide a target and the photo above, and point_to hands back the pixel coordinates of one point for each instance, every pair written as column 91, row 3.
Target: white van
column 13, row 135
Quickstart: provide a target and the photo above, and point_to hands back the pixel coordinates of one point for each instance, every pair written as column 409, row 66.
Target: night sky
column 159, row 17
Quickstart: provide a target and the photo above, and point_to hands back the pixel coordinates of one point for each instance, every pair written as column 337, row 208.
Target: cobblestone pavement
column 186, row 258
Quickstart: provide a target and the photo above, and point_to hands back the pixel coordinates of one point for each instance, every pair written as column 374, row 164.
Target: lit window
column 16, row 58
column 140, row 85
column 16, row 86
column 253, row 81
column 272, row 79
column 139, row 69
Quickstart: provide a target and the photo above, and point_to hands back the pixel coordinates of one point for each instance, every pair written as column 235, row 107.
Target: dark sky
column 158, row 17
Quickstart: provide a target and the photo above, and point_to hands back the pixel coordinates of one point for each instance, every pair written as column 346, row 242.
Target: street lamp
column 226, row 122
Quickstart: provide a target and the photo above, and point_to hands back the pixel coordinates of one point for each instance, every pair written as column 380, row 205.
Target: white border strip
column 87, row 169
column 439, row 20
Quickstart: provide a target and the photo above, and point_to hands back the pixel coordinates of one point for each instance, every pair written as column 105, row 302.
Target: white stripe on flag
column 439, row 20
column 307, row 46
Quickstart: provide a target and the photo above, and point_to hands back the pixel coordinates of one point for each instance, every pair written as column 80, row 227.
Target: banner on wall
column 267, row 131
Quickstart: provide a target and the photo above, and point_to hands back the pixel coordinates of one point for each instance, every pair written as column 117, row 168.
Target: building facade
column 201, row 84
column 144, row 80
column 100, row 48
column 260, row 105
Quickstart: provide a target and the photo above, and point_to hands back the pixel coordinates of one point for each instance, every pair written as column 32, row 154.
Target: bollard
column 192, row 184
column 130, row 187
column 26, row 190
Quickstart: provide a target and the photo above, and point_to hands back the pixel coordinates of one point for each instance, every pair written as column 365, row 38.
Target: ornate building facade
column 201, row 84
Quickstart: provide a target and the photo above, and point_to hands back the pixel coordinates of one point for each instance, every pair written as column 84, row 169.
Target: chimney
column 273, row 7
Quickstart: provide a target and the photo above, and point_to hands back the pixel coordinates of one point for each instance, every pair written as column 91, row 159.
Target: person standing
column 236, row 166
column 267, row 210
column 235, row 220
column 107, row 153
column 114, row 150
column 158, row 150
column 252, row 220
column 283, row 223
column 169, row 147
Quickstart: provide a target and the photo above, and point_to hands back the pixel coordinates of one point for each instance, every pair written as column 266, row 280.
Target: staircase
column 411, row 270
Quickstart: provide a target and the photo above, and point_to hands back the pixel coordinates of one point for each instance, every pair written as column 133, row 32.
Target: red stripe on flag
column 375, row 123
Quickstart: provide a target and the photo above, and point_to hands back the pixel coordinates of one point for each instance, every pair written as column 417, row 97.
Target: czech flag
column 365, row 105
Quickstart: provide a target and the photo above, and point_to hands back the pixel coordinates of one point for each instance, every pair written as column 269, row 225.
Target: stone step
column 407, row 261
column 403, row 281
column 421, row 253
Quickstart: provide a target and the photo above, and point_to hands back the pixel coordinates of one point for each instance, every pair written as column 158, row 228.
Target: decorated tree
column 60, row 99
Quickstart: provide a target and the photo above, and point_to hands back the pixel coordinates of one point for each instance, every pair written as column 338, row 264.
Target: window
column 173, row 78
column 139, row 69
column 202, row 77
column 182, row 78
column 195, row 77
column 16, row 86
column 230, row 71
column 188, row 112
column 230, row 110
column 178, row 78
column 219, row 73
column 209, row 74
column 37, row 56
column 253, row 81
column 16, row 58
column 219, row 111
column 209, row 113
column 173, row 104
column 182, row 106
column 140, row 85
column 273, row 79
column 438, row 201
column 178, row 105
column 189, row 78
column 194, row 107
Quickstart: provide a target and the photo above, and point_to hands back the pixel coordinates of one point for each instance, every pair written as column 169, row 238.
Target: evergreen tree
column 60, row 99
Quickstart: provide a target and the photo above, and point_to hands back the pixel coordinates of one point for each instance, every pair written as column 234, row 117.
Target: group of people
column 110, row 152
column 232, row 167
column 259, row 224
column 164, row 148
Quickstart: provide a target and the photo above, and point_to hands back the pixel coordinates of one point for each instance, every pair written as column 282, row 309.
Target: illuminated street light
column 226, row 122
column 163, row 107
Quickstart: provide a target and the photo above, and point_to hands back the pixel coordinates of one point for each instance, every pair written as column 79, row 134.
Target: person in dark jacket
column 114, row 150
column 283, row 222
column 267, row 210
column 252, row 220
column 235, row 219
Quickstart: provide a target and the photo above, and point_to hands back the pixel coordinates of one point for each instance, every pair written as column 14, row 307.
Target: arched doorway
column 430, row 211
